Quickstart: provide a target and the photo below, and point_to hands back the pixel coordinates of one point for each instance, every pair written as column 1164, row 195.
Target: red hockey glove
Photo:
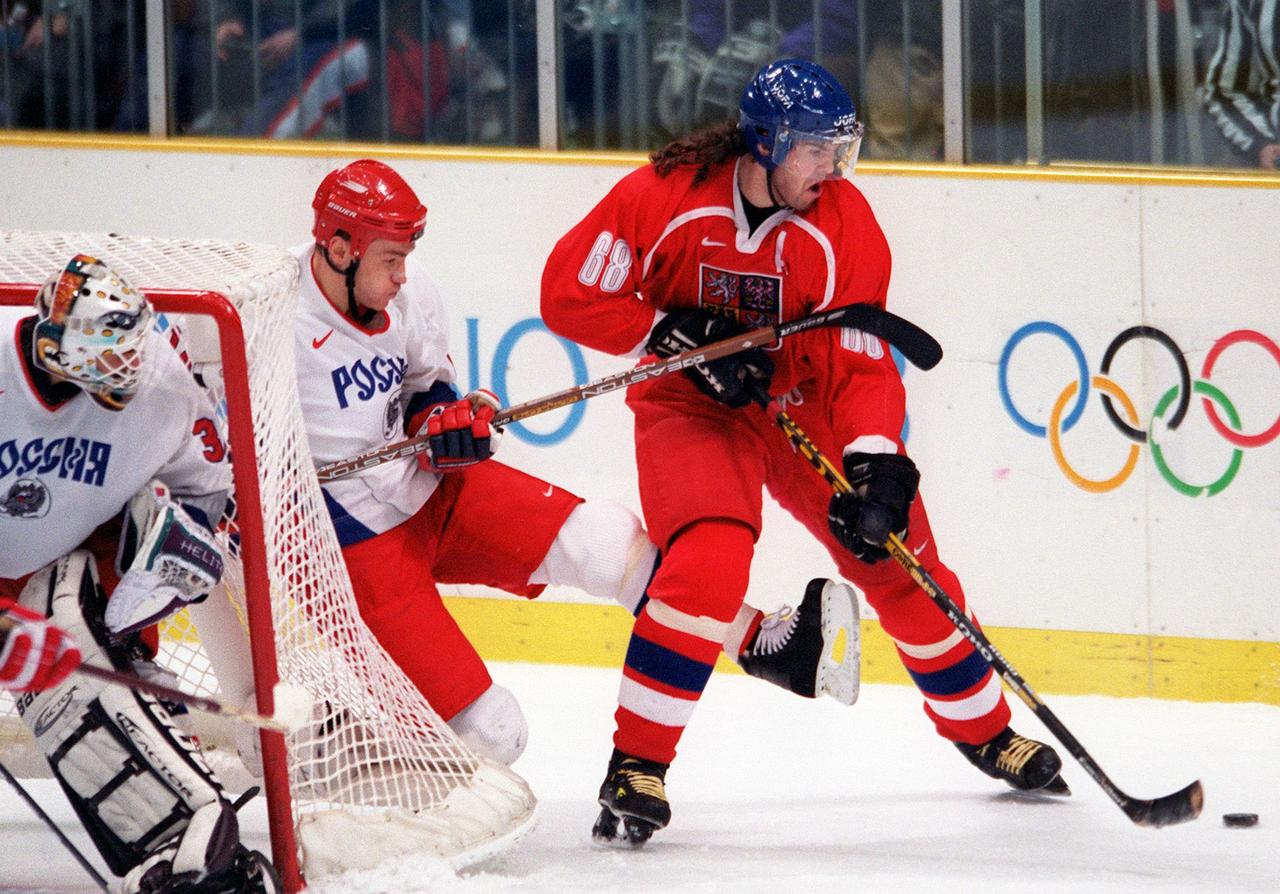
column 459, row 433
column 35, row 654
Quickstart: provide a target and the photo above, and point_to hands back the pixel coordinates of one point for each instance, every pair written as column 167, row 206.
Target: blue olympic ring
column 1082, row 365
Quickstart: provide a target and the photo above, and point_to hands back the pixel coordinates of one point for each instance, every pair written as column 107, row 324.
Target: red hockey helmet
column 367, row 200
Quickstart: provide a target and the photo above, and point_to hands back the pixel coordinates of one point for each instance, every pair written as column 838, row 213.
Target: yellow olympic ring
column 1107, row 386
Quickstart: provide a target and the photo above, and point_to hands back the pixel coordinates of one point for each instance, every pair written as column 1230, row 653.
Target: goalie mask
column 91, row 329
column 795, row 113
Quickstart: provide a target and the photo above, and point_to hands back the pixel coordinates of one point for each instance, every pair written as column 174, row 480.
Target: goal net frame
column 374, row 797
column 235, row 374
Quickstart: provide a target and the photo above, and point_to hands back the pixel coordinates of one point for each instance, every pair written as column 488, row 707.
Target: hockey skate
column 1025, row 764
column 813, row 649
column 633, row 793
column 249, row 872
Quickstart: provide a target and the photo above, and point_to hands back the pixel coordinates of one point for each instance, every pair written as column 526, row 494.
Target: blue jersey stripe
column 350, row 530
column 952, row 680
column 662, row 664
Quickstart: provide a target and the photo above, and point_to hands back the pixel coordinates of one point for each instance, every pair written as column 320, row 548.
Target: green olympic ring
column 1157, row 454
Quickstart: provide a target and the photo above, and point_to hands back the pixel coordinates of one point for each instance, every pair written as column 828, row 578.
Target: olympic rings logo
column 1178, row 397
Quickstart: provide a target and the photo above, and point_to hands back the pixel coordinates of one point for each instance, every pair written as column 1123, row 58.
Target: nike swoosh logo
column 919, row 549
column 550, row 488
column 710, row 243
column 318, row 342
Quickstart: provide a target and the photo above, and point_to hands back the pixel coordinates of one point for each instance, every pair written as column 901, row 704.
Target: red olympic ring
column 1232, row 338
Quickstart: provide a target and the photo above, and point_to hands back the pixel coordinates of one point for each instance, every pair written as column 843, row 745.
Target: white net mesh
column 377, row 754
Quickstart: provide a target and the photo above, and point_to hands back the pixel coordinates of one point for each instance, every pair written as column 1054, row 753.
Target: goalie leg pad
column 167, row 558
column 134, row 780
column 207, row 859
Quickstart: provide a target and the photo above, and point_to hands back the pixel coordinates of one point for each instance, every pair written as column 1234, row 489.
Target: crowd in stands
column 634, row 72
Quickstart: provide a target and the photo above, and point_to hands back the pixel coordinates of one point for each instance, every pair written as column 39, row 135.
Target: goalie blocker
column 142, row 790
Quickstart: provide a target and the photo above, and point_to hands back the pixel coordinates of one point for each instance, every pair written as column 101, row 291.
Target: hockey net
column 377, row 774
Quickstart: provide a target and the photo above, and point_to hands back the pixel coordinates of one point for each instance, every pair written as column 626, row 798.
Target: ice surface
column 775, row 793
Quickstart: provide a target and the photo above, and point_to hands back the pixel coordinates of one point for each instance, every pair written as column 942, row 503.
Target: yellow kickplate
column 1052, row 661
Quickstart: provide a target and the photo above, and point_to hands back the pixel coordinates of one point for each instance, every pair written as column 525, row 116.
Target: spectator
column 321, row 70
column 702, row 66
column 187, row 27
column 903, row 82
column 71, row 68
column 314, row 59
column 1239, row 90
column 703, row 60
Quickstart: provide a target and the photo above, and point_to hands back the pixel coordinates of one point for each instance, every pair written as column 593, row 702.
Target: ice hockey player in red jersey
column 373, row 364
column 745, row 224
column 100, row 413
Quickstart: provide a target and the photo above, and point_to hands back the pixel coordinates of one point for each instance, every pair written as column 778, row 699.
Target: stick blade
column 1180, row 807
column 919, row 347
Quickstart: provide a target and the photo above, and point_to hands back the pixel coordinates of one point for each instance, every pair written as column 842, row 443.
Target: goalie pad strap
column 208, row 847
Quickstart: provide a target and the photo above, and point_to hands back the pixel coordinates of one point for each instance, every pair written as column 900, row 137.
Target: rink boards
column 1101, row 561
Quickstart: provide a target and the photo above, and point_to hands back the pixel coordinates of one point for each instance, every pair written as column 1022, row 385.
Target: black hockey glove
column 884, row 484
column 733, row 380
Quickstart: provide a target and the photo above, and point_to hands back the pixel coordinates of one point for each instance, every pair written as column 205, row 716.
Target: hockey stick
column 915, row 344
column 293, row 704
column 53, row 827
column 1178, row 807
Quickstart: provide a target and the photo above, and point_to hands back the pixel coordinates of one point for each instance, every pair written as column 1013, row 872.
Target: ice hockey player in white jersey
column 99, row 414
column 373, row 364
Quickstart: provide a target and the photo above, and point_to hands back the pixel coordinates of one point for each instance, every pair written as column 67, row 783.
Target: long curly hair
column 705, row 148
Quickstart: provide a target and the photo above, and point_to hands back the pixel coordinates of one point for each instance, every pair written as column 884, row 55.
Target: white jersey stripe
column 655, row 706
column 977, row 705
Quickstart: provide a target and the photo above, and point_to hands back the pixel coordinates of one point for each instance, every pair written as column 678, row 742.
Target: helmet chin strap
column 362, row 315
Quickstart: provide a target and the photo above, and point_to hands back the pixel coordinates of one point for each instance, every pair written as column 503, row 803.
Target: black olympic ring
column 1184, row 379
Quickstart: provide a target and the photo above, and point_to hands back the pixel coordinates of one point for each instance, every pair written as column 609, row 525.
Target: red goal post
column 377, row 776
column 257, row 592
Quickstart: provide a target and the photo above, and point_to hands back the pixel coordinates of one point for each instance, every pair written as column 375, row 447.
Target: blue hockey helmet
column 792, row 101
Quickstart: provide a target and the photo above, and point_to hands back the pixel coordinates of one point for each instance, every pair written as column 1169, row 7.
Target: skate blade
column 1057, row 786
column 1055, row 789
column 632, row 834
column 839, row 668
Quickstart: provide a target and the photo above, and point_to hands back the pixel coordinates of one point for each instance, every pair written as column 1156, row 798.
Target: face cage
column 847, row 146
column 85, row 342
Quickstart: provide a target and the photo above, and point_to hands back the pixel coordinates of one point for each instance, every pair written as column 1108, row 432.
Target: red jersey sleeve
column 590, row 285
column 861, row 383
